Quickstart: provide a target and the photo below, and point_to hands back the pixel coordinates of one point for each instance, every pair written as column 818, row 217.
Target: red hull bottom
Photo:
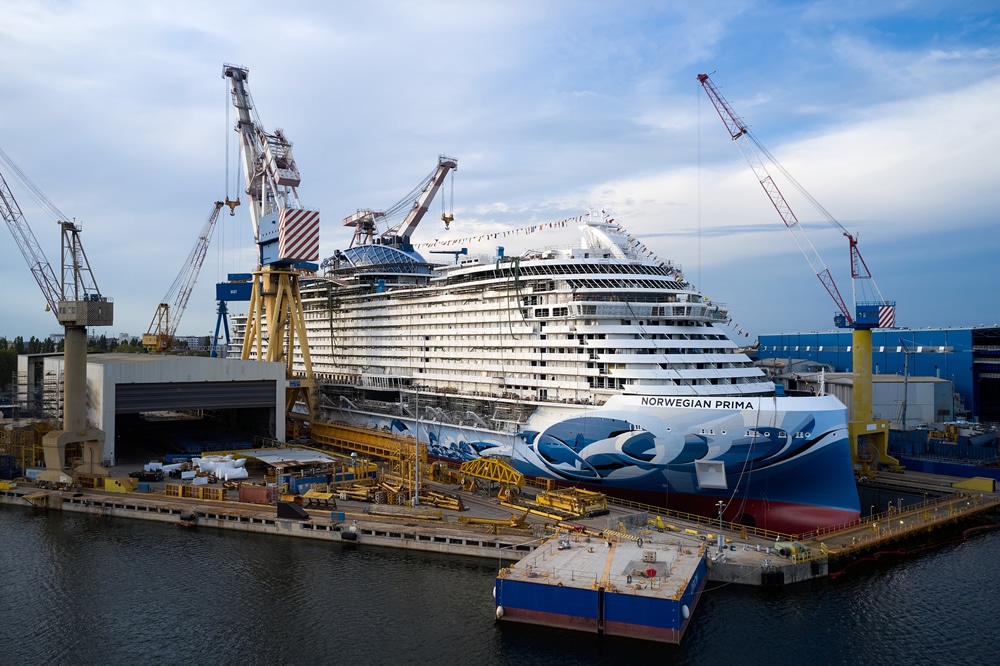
column 786, row 518
column 590, row 625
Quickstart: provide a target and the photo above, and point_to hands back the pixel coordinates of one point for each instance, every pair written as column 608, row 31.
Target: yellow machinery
column 371, row 443
column 493, row 470
column 515, row 521
column 574, row 501
column 160, row 335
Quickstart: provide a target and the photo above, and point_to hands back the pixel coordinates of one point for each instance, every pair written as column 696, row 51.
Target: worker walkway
column 898, row 523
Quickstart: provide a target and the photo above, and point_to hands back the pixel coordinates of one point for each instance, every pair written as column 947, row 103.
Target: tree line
column 11, row 349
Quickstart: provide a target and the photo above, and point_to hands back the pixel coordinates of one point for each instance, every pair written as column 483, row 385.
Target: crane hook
column 232, row 205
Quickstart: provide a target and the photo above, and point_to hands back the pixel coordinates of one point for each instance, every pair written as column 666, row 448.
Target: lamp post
column 720, row 504
column 416, row 450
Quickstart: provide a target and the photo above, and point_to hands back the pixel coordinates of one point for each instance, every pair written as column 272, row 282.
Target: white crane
column 77, row 303
column 415, row 204
column 287, row 236
column 286, row 232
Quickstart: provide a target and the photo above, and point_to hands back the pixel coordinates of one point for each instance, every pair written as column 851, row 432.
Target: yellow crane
column 160, row 335
column 287, row 236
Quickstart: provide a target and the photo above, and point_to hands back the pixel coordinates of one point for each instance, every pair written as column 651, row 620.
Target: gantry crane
column 869, row 437
column 416, row 203
column 167, row 318
column 287, row 236
column 77, row 303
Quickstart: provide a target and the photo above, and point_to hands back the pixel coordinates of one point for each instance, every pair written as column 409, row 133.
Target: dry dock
column 486, row 528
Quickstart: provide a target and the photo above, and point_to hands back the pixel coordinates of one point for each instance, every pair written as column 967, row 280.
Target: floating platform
column 628, row 588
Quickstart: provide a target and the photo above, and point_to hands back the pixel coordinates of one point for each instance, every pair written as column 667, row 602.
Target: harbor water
column 94, row 590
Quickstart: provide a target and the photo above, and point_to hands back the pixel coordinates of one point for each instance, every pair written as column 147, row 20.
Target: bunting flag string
column 503, row 234
column 638, row 247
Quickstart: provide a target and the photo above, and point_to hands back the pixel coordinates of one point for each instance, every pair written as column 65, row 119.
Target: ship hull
column 781, row 464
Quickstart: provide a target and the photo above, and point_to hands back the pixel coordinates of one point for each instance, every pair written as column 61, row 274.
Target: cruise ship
column 595, row 365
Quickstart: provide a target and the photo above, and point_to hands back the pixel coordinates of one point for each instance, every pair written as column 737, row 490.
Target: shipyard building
column 147, row 402
column 927, row 364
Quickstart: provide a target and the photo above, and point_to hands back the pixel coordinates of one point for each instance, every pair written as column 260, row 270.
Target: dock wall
column 780, row 572
column 369, row 532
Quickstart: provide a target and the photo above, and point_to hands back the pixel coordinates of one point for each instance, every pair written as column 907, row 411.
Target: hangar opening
column 152, row 420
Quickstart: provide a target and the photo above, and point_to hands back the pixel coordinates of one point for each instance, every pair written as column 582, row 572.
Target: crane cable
column 33, row 192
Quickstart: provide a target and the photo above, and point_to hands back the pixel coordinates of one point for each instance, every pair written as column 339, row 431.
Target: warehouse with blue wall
column 968, row 357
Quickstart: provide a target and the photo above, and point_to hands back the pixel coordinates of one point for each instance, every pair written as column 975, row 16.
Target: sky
column 885, row 113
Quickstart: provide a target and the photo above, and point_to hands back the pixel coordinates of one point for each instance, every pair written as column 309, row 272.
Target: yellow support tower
column 276, row 316
column 869, row 437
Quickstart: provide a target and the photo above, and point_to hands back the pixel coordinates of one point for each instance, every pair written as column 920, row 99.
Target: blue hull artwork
column 779, row 463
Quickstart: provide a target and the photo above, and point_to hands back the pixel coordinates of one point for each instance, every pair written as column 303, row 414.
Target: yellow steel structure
column 492, row 469
column 276, row 316
column 516, row 521
column 373, row 443
column 869, row 437
column 573, row 501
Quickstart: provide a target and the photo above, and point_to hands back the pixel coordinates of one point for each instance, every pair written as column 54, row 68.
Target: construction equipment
column 494, row 524
column 287, row 236
column 238, row 288
column 415, row 204
column 77, row 303
column 869, row 437
column 574, row 502
column 492, row 469
column 161, row 331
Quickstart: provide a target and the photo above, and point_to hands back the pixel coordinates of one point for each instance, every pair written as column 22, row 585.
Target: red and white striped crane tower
column 287, row 236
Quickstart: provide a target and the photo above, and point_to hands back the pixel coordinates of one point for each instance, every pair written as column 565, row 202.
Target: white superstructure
column 566, row 326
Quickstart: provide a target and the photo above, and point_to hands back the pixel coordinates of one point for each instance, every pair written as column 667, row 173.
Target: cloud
column 883, row 112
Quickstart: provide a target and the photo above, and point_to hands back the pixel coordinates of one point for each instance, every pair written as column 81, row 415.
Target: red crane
column 868, row 312
column 871, row 310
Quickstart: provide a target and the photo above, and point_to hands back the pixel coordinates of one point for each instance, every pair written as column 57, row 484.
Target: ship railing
column 712, row 523
column 925, row 513
column 911, row 520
